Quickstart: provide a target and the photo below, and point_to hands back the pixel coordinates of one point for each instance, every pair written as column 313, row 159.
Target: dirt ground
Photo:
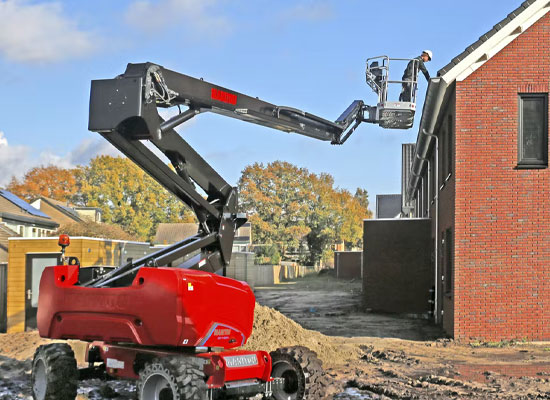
column 365, row 355
column 388, row 356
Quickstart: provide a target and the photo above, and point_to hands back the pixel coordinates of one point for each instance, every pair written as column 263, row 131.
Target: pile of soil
column 22, row 345
column 273, row 330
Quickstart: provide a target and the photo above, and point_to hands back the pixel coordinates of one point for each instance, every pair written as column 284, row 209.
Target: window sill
column 525, row 166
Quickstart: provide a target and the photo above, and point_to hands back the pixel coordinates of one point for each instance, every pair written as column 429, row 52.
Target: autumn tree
column 363, row 197
column 287, row 205
column 322, row 218
column 128, row 196
column 277, row 202
column 336, row 216
column 51, row 181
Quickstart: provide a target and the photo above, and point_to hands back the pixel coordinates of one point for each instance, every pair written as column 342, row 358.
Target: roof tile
column 483, row 38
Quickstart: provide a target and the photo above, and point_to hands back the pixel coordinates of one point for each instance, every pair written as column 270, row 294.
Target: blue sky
column 305, row 54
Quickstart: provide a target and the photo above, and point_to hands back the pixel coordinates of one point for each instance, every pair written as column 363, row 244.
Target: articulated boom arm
column 124, row 111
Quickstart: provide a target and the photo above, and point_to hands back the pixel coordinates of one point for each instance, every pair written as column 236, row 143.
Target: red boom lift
column 174, row 330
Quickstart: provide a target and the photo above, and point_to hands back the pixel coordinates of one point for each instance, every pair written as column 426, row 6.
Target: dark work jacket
column 411, row 73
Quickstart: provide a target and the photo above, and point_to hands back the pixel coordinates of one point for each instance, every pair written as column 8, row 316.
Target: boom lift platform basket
column 392, row 114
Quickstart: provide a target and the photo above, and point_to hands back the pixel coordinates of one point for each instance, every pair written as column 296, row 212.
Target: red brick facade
column 502, row 214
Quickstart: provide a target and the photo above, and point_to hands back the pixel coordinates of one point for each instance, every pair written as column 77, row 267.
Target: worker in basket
column 410, row 75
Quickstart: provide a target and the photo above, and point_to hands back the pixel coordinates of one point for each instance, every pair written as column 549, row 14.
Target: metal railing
column 377, row 75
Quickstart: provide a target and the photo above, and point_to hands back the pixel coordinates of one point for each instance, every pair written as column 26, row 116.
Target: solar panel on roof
column 22, row 204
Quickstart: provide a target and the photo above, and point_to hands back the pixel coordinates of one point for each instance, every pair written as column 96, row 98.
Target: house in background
column 480, row 174
column 27, row 259
column 59, row 211
column 22, row 218
column 169, row 233
column 17, row 218
column 93, row 214
column 65, row 213
column 243, row 238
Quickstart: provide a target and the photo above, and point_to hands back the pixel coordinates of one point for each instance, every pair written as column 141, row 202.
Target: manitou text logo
column 246, row 360
column 222, row 332
column 224, row 97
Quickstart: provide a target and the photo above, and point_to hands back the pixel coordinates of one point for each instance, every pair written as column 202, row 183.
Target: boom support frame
column 124, row 111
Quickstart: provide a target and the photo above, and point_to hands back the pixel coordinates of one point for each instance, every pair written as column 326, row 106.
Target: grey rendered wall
column 397, row 272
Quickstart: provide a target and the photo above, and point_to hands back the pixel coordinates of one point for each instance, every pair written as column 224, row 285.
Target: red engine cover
column 162, row 307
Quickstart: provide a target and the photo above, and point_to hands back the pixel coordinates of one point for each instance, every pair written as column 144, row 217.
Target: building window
column 533, row 130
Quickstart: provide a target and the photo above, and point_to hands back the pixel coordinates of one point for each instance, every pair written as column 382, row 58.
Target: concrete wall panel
column 397, row 271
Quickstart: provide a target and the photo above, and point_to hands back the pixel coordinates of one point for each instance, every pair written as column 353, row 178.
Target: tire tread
column 61, row 371
column 311, row 367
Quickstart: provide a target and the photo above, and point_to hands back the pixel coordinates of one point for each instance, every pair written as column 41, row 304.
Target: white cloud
column 196, row 17
column 312, row 11
column 90, row 148
column 12, row 160
column 36, row 33
column 17, row 160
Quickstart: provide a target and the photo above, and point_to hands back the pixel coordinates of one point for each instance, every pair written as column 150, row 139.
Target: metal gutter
column 430, row 113
column 432, row 105
column 461, row 67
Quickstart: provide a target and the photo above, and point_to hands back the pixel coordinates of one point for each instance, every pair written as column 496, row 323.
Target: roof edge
column 31, row 220
column 492, row 42
column 75, row 218
column 489, row 44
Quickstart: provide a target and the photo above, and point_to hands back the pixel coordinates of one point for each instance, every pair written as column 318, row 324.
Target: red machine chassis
column 125, row 361
column 162, row 307
column 164, row 312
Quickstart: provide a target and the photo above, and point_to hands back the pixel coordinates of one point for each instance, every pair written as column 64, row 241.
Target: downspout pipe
column 432, row 105
column 430, row 112
column 436, row 233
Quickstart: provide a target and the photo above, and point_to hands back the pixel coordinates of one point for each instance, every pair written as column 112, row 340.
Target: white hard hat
column 429, row 53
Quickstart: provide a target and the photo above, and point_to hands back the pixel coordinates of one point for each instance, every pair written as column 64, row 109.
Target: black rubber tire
column 184, row 377
column 303, row 372
column 54, row 373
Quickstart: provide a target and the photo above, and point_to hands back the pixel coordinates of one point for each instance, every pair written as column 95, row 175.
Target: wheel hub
column 40, row 383
column 285, row 370
column 157, row 387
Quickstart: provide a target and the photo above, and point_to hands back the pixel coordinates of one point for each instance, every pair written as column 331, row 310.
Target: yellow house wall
column 89, row 252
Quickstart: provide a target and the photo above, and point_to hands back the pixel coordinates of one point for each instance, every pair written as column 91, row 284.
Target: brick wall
column 446, row 133
column 502, row 222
